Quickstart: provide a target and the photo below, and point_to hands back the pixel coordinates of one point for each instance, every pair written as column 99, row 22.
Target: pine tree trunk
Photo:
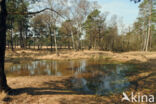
column 21, row 36
column 26, row 37
column 144, row 33
column 3, row 15
column 149, row 27
column 34, row 42
column 51, row 44
column 12, row 45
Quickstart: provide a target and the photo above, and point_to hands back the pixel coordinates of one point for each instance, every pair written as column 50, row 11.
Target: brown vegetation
column 69, row 55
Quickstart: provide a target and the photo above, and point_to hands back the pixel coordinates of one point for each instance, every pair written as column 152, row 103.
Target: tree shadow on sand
column 62, row 87
column 145, row 78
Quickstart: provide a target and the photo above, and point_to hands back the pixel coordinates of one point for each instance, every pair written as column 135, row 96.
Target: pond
column 90, row 76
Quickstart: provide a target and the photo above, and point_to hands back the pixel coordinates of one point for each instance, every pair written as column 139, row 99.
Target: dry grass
column 3, row 95
column 69, row 55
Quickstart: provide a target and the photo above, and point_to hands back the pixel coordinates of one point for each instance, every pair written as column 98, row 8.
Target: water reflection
column 81, row 68
column 110, row 79
column 44, row 67
column 89, row 76
column 114, row 82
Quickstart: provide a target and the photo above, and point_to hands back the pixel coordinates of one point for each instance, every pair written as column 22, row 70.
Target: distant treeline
column 79, row 25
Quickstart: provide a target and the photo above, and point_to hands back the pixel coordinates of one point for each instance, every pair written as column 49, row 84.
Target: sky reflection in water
column 89, row 76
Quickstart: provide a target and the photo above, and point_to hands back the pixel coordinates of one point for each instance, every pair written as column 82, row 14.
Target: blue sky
column 124, row 9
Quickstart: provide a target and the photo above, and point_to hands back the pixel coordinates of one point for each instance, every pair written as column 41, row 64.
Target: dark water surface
column 91, row 76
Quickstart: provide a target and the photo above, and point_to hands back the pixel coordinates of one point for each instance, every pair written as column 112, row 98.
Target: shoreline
column 72, row 55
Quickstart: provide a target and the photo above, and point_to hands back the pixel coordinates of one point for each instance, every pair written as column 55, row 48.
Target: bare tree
column 70, row 25
column 79, row 12
column 55, row 18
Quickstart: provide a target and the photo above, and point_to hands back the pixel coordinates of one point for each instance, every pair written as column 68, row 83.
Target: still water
column 90, row 76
